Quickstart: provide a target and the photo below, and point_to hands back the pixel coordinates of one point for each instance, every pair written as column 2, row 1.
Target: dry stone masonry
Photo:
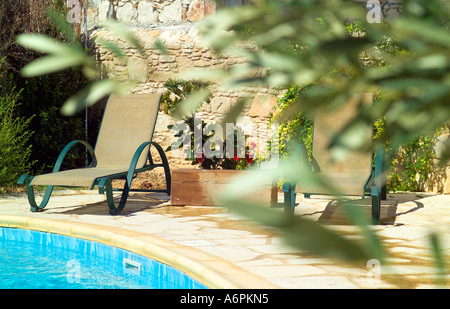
column 150, row 13
column 173, row 23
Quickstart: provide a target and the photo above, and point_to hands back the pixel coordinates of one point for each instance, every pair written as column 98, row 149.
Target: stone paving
column 251, row 256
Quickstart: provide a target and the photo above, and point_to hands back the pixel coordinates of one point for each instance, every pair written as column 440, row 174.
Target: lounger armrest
column 286, row 187
column 22, row 179
column 135, row 159
column 160, row 150
column 165, row 165
column 66, row 150
column 141, row 148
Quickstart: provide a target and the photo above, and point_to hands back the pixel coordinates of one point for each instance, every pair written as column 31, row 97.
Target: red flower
column 248, row 158
column 201, row 158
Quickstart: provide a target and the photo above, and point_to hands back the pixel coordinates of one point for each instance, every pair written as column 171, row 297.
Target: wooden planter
column 197, row 187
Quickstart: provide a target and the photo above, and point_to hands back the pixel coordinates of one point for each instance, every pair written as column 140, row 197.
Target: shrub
column 297, row 130
column 42, row 101
column 41, row 97
column 412, row 165
column 14, row 136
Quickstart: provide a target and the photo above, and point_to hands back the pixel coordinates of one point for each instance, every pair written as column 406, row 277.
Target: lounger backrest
column 128, row 121
column 347, row 176
column 327, row 124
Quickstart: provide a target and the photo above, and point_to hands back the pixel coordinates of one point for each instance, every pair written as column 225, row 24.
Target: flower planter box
column 197, row 187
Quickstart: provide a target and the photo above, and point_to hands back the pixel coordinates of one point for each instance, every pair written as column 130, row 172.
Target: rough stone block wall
column 185, row 52
column 150, row 13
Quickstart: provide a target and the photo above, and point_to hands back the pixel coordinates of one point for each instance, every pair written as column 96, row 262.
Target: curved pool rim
column 207, row 269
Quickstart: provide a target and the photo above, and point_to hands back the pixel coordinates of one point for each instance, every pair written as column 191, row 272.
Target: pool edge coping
column 162, row 250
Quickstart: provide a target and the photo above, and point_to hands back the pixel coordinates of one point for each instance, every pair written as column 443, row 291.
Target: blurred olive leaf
column 49, row 64
column 42, row 43
column 59, row 56
column 62, row 24
column 306, row 42
column 112, row 47
column 93, row 93
column 235, row 111
column 439, row 258
column 303, row 234
column 123, row 32
column 189, row 104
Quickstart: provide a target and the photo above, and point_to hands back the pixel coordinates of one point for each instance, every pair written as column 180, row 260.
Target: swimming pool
column 39, row 260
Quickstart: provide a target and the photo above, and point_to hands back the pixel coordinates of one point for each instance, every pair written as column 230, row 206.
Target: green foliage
column 355, row 28
column 298, row 129
column 43, row 98
column 24, row 16
column 14, row 136
column 412, row 165
column 177, row 92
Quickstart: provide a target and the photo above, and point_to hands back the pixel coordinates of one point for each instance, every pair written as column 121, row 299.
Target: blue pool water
column 36, row 260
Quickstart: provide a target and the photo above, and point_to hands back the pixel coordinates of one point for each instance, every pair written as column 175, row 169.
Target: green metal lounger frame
column 122, row 151
column 354, row 176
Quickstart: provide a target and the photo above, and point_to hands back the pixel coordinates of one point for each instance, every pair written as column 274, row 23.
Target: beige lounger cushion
column 80, row 177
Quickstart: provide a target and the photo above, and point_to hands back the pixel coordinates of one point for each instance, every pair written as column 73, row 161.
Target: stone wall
column 185, row 52
column 155, row 13
column 150, row 13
